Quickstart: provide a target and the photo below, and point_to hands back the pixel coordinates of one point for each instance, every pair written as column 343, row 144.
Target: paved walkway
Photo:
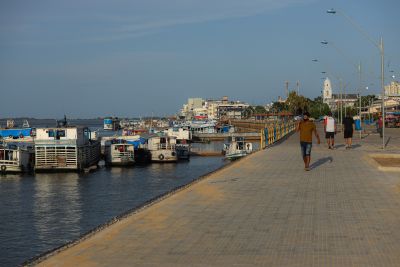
column 264, row 210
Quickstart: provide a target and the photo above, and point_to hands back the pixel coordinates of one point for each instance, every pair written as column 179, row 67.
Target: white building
column 392, row 89
column 327, row 91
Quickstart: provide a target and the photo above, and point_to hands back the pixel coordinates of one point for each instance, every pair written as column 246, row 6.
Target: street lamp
column 381, row 51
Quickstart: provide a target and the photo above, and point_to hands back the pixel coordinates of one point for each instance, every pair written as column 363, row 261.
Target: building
column 192, row 104
column 197, row 108
column 233, row 110
column 334, row 100
column 327, row 91
column 392, row 89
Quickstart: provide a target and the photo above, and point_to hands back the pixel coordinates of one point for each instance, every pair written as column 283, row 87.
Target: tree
column 297, row 103
column 260, row 110
column 279, row 107
column 248, row 112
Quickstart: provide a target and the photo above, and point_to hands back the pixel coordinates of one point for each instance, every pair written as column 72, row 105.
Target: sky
column 131, row 58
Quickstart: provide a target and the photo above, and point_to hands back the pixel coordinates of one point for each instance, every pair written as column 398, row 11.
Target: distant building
column 327, row 91
column 192, row 104
column 392, row 89
column 197, row 108
column 231, row 110
column 334, row 100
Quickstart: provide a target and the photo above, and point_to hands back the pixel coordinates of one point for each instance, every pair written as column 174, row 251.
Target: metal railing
column 276, row 132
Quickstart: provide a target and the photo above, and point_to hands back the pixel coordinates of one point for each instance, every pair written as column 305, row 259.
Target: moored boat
column 237, row 148
column 66, row 148
column 16, row 157
column 118, row 152
column 162, row 148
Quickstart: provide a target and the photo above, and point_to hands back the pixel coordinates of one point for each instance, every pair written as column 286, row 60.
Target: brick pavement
column 263, row 210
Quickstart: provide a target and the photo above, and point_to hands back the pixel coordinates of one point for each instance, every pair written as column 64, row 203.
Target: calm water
column 43, row 211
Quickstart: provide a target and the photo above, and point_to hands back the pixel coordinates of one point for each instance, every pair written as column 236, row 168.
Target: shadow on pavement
column 321, row 162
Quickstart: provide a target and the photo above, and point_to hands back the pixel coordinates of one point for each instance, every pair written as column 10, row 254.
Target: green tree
column 297, row 104
column 260, row 110
column 248, row 112
column 279, row 107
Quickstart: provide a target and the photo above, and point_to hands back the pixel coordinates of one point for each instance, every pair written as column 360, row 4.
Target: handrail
column 274, row 133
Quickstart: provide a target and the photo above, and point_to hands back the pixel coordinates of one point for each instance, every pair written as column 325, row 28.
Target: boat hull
column 163, row 156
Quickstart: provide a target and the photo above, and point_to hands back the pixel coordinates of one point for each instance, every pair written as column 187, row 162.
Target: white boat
column 183, row 139
column 16, row 157
column 237, row 148
column 162, row 148
column 119, row 152
column 65, row 148
column 203, row 127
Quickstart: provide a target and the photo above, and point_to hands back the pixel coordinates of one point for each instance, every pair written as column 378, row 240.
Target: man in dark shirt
column 348, row 123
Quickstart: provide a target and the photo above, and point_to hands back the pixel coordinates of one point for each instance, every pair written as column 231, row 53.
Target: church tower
column 327, row 91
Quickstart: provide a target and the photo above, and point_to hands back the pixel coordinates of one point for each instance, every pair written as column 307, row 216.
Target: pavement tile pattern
column 263, row 210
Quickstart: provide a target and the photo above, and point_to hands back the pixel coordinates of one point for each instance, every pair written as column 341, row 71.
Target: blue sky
column 134, row 58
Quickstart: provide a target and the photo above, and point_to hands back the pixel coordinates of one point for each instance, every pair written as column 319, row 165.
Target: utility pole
column 298, row 87
column 287, row 88
column 359, row 95
column 341, row 101
column 383, row 92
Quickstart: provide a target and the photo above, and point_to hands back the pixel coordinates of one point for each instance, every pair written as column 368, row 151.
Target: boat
column 111, row 124
column 183, row 139
column 162, row 148
column 66, row 148
column 118, row 152
column 16, row 157
column 237, row 148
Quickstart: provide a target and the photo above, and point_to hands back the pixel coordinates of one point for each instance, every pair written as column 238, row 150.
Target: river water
column 43, row 211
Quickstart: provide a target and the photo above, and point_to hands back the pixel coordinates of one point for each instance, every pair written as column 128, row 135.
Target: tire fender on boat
column 3, row 168
column 161, row 157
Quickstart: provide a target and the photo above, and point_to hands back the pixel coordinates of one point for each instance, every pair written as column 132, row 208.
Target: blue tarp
column 137, row 143
column 225, row 129
column 15, row 132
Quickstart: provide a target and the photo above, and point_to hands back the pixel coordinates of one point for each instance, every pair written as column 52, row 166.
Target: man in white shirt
column 330, row 130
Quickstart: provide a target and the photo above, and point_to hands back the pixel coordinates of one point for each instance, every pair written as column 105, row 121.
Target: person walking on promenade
column 380, row 126
column 348, row 123
column 330, row 130
column 306, row 129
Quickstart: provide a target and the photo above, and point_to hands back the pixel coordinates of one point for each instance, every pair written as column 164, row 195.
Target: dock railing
column 275, row 132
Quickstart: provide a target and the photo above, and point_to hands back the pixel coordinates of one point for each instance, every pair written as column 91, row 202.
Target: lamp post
column 381, row 51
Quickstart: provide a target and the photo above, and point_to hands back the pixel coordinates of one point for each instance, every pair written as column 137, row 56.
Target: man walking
column 306, row 129
column 348, row 123
column 330, row 130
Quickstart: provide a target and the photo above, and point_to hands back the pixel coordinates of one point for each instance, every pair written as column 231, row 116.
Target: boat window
column 50, row 133
column 60, row 133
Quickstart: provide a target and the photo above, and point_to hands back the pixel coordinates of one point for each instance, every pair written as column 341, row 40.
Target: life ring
column 3, row 168
column 161, row 157
column 21, row 136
